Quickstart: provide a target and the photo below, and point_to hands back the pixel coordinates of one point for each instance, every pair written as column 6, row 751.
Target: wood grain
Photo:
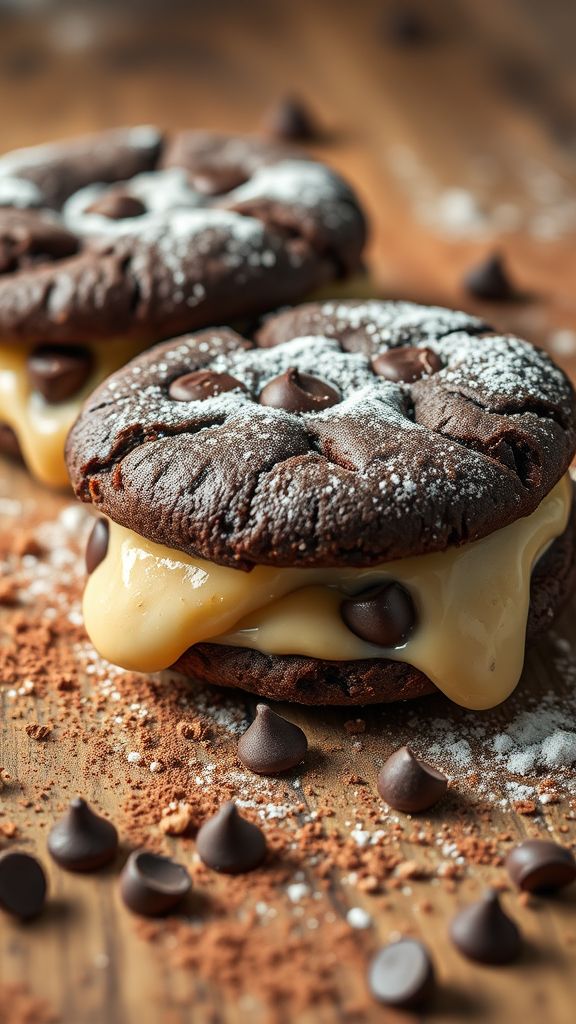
column 488, row 107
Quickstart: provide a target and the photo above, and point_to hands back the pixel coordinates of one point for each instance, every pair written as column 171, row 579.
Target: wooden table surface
column 458, row 145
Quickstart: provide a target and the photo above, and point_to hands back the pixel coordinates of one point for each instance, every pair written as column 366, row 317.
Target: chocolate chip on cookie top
column 385, row 469
column 155, row 236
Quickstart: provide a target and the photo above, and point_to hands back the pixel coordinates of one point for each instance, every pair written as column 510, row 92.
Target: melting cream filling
column 40, row 426
column 146, row 604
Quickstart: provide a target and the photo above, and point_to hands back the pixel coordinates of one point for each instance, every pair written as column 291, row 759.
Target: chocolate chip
column 489, row 280
column 298, row 392
column 152, row 885
column 28, row 237
column 82, row 840
column 97, row 546
column 201, row 384
column 483, row 932
column 383, row 615
column 409, row 784
column 402, row 974
column 9, row 443
column 59, row 371
column 539, row 866
column 216, row 181
column 406, row 27
column 271, row 744
column 22, row 884
column 229, row 843
column 406, row 364
column 290, row 120
column 117, row 206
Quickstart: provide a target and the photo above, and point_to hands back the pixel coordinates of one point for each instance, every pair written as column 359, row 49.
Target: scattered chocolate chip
column 271, row 744
column 409, row 784
column 201, row 384
column 152, row 885
column 539, row 866
column 229, row 843
column 383, row 615
column 298, row 392
column 490, row 281
column 117, row 206
column 22, row 884
column 402, row 975
column 406, row 364
column 97, row 546
column 82, row 840
column 405, row 26
column 483, row 932
column 218, row 180
column 290, row 120
column 59, row 371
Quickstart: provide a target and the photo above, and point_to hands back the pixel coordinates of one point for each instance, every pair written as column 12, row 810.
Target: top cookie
column 126, row 234
column 349, row 433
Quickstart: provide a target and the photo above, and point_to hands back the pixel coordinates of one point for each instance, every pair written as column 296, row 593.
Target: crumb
column 39, row 732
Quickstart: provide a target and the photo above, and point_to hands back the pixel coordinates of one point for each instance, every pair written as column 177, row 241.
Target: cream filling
column 146, row 604
column 40, row 426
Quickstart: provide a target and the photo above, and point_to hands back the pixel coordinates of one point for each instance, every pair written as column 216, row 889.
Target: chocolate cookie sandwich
column 366, row 502
column 113, row 242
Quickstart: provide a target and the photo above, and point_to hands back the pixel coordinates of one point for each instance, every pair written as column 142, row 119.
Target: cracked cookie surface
column 391, row 468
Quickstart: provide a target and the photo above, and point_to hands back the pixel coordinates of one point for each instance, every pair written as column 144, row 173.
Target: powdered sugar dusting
column 300, row 184
column 19, row 193
column 162, row 192
column 396, row 323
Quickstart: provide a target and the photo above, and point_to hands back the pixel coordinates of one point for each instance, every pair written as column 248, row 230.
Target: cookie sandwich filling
column 458, row 615
column 42, row 387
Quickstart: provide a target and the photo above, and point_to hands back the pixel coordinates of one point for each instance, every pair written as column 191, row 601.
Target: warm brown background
column 458, row 144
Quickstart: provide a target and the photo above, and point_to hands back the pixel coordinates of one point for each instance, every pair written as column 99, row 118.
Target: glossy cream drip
column 146, row 604
column 40, row 426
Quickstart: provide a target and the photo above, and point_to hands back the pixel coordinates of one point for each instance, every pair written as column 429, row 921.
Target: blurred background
column 455, row 119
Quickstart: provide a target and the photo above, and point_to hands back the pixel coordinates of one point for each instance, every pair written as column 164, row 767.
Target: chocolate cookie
column 394, row 466
column 127, row 235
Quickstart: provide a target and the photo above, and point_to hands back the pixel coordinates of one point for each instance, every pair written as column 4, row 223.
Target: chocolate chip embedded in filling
column 97, row 546
column 117, row 206
column 298, row 392
column 406, row 364
column 9, row 443
column 201, row 384
column 59, row 371
column 383, row 615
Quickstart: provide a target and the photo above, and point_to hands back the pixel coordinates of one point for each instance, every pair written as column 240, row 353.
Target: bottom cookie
column 311, row 681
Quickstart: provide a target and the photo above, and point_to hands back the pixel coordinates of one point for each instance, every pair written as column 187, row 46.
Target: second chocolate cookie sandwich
column 370, row 501
column 113, row 242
